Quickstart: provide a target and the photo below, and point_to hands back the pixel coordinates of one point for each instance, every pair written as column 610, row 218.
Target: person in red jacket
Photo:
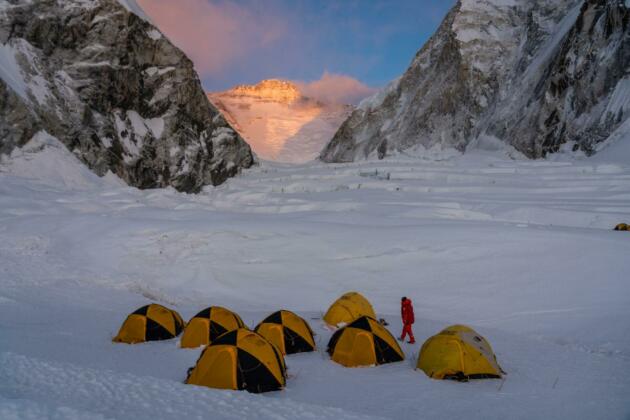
column 406, row 312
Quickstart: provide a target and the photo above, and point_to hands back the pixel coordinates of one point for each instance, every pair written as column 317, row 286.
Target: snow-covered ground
column 522, row 251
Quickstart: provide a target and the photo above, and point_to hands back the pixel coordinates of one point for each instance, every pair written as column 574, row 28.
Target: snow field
column 522, row 251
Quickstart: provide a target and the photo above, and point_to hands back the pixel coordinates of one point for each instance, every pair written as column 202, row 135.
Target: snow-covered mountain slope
column 521, row 250
column 115, row 91
column 531, row 74
column 278, row 121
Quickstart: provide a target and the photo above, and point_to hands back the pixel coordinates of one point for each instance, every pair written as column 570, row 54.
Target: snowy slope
column 278, row 121
column 534, row 75
column 521, row 250
column 46, row 160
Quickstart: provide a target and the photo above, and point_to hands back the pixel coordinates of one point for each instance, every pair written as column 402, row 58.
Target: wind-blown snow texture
column 532, row 74
column 521, row 250
column 117, row 93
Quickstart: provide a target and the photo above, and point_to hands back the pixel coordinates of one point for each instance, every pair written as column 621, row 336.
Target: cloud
column 214, row 34
column 336, row 88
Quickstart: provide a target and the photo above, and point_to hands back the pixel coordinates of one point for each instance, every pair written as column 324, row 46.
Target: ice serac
column 536, row 75
column 115, row 91
column 279, row 121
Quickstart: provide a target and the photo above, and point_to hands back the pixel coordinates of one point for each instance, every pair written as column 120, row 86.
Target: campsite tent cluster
column 236, row 358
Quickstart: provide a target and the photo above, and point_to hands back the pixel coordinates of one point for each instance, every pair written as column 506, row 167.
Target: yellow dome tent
column 208, row 325
column 364, row 342
column 347, row 308
column 287, row 331
column 150, row 323
column 240, row 360
column 623, row 227
column 459, row 353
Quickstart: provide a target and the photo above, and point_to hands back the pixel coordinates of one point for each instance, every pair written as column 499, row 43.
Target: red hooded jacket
column 406, row 312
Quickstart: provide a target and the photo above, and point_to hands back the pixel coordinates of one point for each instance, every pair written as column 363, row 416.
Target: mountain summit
column 273, row 90
column 537, row 75
column 278, row 121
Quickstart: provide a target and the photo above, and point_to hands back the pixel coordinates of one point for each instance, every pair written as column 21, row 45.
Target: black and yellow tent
column 459, row 353
column 364, row 342
column 347, row 308
column 240, row 360
column 287, row 331
column 622, row 227
column 208, row 325
column 150, row 323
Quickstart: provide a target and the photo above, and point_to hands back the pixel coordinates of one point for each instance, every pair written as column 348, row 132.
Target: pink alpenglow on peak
column 278, row 121
column 271, row 89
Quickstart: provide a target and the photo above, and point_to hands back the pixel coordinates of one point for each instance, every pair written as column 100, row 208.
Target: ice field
column 522, row 251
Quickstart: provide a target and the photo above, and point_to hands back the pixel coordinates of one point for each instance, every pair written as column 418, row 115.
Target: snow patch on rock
column 10, row 70
column 377, row 99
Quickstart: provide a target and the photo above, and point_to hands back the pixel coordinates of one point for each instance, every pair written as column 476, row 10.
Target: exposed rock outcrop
column 115, row 91
column 533, row 74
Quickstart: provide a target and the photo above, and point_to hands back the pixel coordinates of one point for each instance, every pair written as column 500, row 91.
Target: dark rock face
column 115, row 91
column 534, row 74
column 576, row 99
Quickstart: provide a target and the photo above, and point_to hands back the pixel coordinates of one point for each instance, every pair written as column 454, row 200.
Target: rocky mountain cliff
column 114, row 90
column 534, row 74
column 278, row 121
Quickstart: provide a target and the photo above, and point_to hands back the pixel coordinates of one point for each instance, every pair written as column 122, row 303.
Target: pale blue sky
column 244, row 41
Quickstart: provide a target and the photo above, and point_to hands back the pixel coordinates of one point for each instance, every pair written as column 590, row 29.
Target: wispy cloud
column 244, row 41
column 336, row 88
column 214, row 34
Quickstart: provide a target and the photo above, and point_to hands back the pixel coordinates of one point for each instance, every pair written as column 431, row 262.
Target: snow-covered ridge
column 377, row 99
column 10, row 71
